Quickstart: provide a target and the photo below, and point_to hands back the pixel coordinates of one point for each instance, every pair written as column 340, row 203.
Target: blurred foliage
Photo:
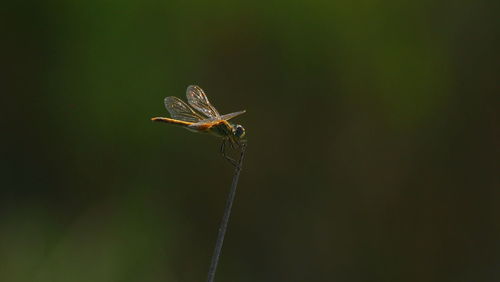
column 372, row 127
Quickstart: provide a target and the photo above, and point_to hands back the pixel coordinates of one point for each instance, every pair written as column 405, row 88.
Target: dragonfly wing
column 232, row 115
column 198, row 100
column 178, row 109
column 206, row 121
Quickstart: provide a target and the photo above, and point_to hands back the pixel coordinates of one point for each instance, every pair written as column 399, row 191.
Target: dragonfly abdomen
column 220, row 128
column 172, row 121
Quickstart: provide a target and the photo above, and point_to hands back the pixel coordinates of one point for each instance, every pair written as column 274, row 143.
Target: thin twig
column 225, row 218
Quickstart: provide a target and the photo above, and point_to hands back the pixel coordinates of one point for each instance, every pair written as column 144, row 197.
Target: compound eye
column 239, row 131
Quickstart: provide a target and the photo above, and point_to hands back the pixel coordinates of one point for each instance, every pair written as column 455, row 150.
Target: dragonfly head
column 238, row 131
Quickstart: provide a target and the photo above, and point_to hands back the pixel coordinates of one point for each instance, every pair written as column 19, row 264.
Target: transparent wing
column 178, row 109
column 207, row 121
column 198, row 100
column 232, row 115
column 214, row 120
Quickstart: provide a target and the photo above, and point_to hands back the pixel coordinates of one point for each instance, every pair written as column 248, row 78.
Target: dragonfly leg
column 223, row 153
column 242, row 144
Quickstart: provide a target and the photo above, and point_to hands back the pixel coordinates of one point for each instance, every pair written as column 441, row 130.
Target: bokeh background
column 373, row 141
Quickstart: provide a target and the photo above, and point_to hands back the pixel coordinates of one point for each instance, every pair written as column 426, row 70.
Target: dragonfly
column 199, row 115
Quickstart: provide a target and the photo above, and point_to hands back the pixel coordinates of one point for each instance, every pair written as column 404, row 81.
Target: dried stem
column 225, row 218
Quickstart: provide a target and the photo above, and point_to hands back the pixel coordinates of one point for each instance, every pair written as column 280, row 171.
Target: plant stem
column 225, row 218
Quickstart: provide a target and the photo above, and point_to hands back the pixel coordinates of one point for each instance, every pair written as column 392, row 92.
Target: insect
column 201, row 116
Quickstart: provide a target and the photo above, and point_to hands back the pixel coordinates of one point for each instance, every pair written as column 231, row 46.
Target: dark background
column 373, row 141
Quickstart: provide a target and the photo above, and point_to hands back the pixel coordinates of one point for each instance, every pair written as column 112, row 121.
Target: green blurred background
column 372, row 140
